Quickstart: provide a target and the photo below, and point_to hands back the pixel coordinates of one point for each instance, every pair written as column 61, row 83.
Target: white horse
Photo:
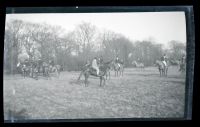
column 163, row 69
column 138, row 65
column 118, row 68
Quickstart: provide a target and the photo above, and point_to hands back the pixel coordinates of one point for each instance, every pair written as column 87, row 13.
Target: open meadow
column 138, row 94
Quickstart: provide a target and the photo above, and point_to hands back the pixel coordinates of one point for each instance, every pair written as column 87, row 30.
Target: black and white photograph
column 94, row 65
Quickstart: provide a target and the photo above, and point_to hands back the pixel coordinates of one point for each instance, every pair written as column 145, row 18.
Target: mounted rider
column 95, row 65
column 117, row 61
column 163, row 59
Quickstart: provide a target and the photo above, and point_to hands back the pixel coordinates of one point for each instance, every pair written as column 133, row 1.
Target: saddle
column 94, row 72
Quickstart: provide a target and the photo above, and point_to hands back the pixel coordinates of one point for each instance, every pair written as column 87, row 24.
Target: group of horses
column 163, row 69
column 34, row 69
column 106, row 67
column 105, row 71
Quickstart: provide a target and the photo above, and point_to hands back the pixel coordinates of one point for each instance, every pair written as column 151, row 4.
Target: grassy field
column 138, row 94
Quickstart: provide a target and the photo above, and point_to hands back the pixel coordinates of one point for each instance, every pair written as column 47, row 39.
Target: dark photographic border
column 105, row 9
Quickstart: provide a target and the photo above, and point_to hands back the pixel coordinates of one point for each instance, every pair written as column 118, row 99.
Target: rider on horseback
column 163, row 59
column 117, row 61
column 95, row 65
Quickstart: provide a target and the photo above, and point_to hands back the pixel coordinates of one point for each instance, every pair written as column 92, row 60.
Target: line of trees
column 25, row 40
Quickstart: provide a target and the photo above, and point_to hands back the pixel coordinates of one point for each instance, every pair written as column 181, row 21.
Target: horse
column 23, row 69
column 118, row 68
column 46, row 71
column 90, row 71
column 138, row 65
column 162, row 68
column 34, row 70
column 59, row 68
column 109, row 67
column 54, row 69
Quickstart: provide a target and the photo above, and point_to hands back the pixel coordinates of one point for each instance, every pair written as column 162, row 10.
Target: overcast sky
column 161, row 26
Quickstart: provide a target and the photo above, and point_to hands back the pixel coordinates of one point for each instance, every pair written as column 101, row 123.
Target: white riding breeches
column 97, row 69
column 118, row 64
column 164, row 62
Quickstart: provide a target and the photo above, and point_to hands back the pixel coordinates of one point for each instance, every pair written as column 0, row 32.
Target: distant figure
column 163, row 59
column 183, row 59
column 95, row 66
column 100, row 60
column 51, row 62
column 139, row 60
column 182, row 63
column 118, row 61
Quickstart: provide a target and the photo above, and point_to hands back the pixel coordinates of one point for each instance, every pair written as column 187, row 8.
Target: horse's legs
column 86, row 78
column 36, row 76
column 104, row 81
column 100, row 80
column 160, row 72
column 23, row 74
column 163, row 74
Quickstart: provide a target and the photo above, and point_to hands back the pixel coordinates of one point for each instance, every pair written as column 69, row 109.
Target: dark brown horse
column 109, row 67
column 90, row 71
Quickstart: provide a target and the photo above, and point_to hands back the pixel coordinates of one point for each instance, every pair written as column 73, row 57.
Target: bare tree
column 85, row 37
column 13, row 33
column 177, row 49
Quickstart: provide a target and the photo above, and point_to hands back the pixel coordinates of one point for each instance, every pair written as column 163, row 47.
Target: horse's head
column 157, row 63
